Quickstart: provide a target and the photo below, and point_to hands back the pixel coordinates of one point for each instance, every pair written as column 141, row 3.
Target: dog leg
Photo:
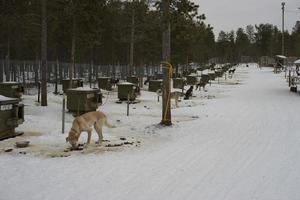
column 98, row 129
column 89, row 136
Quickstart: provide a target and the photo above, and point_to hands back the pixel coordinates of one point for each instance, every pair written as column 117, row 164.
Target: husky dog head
column 73, row 138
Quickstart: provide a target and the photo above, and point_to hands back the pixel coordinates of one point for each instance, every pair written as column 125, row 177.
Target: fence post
column 128, row 104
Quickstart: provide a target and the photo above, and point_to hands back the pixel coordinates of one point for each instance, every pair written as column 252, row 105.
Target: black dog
column 189, row 93
column 202, row 84
column 231, row 71
column 147, row 81
column 114, row 81
column 137, row 90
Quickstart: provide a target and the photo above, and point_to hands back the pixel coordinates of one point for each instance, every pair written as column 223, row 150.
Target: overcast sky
column 230, row 14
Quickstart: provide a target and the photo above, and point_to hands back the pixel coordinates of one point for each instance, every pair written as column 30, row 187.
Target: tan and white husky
column 173, row 95
column 84, row 123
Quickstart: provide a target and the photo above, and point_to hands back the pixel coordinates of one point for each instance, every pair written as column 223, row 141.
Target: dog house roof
column 8, row 100
column 297, row 62
column 280, row 56
column 84, row 89
column 11, row 83
column 125, row 83
column 74, row 79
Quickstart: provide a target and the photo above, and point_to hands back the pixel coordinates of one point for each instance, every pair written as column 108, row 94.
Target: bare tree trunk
column 72, row 65
column 90, row 72
column 14, row 71
column 23, row 72
column 1, row 71
column 132, row 42
column 7, row 72
column 166, row 56
column 36, row 69
column 44, row 54
column 56, row 76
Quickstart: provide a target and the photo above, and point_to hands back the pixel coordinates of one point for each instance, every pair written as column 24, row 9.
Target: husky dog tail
column 108, row 125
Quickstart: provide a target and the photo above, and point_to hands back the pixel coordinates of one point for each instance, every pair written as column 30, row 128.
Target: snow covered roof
column 125, row 83
column 74, row 79
column 84, row 89
column 4, row 98
column 297, row 62
column 11, row 83
column 280, row 56
column 104, row 77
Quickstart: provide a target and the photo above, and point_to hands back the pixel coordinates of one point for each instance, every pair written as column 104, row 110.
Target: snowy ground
column 236, row 141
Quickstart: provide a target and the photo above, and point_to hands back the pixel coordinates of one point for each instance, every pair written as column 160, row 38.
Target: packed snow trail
column 245, row 145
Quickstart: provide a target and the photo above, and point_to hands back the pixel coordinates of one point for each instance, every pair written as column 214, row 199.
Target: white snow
column 236, row 141
column 281, row 56
column 297, row 62
column 125, row 83
column 4, row 98
column 83, row 89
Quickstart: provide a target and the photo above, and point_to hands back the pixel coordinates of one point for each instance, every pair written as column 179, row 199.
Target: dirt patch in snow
column 53, row 150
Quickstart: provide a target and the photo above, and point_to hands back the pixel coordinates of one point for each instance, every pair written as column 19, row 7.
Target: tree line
column 100, row 31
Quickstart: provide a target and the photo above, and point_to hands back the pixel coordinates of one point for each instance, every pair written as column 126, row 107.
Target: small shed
column 265, row 61
column 133, row 79
column 11, row 89
column 179, row 83
column 11, row 116
column 76, row 82
column 104, row 83
column 192, row 79
column 280, row 62
column 125, row 89
column 155, row 85
column 159, row 75
column 219, row 72
column 82, row 100
column 297, row 63
column 204, row 78
column 212, row 75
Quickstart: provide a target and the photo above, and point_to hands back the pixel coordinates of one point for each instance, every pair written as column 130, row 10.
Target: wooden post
column 128, row 98
column 166, row 56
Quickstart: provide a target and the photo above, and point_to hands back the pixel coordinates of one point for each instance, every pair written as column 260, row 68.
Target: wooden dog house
column 11, row 116
column 77, row 82
column 83, row 100
column 126, row 90
column 104, row 83
column 11, row 89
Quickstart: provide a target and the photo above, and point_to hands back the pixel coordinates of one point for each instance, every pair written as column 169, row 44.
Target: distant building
column 266, row 61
